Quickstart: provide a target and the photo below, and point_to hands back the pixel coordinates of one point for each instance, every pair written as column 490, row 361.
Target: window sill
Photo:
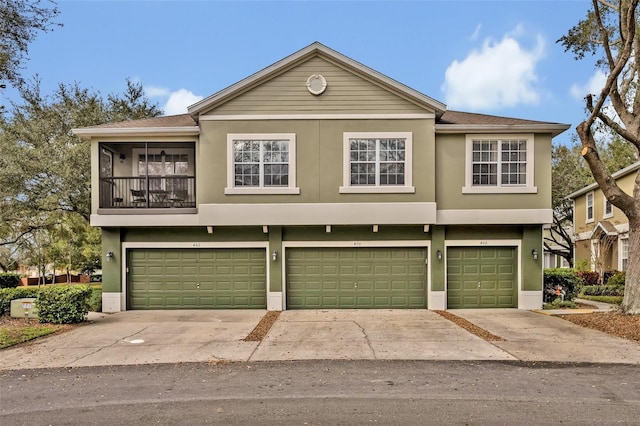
column 499, row 190
column 607, row 216
column 377, row 189
column 262, row 191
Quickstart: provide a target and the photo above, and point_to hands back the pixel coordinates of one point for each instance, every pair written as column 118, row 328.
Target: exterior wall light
column 534, row 253
column 439, row 254
column 274, row 255
column 109, row 256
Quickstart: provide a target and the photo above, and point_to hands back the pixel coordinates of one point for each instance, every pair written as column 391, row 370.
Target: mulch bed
column 472, row 328
column 263, row 327
column 621, row 325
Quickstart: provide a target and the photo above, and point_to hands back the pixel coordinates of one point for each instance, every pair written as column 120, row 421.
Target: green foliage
column 563, row 277
column 617, row 279
column 95, row 304
column 9, row 294
column 614, row 300
column 603, row 290
column 63, row 305
column 9, row 280
column 558, row 303
column 21, row 21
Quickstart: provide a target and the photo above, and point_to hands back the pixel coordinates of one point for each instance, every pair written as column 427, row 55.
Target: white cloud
column 499, row 74
column 179, row 101
column 593, row 86
column 176, row 102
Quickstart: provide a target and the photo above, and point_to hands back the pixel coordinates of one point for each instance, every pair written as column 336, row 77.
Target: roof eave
column 594, row 185
column 291, row 60
column 554, row 129
column 86, row 133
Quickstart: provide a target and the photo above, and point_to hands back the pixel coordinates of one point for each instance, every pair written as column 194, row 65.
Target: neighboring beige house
column 320, row 183
column 601, row 230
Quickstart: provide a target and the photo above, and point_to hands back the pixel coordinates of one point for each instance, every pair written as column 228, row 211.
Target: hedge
column 603, row 290
column 566, row 278
column 9, row 280
column 56, row 304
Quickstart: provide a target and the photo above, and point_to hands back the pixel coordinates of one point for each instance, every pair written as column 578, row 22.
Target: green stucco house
column 319, row 183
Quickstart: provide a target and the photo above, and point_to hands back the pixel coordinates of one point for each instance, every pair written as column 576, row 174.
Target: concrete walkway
column 147, row 337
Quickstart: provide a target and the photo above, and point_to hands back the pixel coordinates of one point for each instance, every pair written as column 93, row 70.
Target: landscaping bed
column 625, row 326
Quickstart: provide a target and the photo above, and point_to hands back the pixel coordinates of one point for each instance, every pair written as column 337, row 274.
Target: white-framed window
column 377, row 162
column 590, row 212
column 261, row 163
column 499, row 164
column 608, row 209
column 623, row 251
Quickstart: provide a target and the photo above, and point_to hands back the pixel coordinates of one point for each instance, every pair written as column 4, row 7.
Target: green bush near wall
column 9, row 280
column 56, row 304
column 566, row 278
column 64, row 305
column 603, row 290
column 9, row 294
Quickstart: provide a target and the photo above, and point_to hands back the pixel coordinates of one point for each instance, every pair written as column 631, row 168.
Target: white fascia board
column 137, row 131
column 317, row 214
column 494, row 217
column 554, row 129
column 146, row 220
column 622, row 172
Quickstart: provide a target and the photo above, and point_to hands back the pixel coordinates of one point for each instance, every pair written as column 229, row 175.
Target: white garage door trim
column 490, row 243
column 188, row 245
column 342, row 244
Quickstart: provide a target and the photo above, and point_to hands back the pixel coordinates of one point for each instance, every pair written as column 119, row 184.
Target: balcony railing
column 136, row 192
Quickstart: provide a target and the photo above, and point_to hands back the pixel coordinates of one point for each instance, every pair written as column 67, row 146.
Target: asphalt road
column 324, row 392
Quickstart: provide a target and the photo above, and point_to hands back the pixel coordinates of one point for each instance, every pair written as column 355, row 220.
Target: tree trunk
column 631, row 301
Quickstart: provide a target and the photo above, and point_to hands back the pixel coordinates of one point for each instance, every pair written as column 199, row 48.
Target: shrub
column 95, row 304
column 603, row 290
column 9, row 294
column 9, row 280
column 63, row 305
column 566, row 278
column 617, row 279
column 559, row 304
column 588, row 277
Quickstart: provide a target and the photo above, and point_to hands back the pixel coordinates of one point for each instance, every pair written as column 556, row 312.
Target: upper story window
column 501, row 163
column 377, row 162
column 608, row 209
column 261, row 164
column 590, row 213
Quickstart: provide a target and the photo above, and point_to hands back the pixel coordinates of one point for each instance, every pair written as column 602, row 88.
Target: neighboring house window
column 564, row 263
column 261, row 164
column 590, row 216
column 377, row 162
column 549, row 260
column 623, row 249
column 608, row 208
column 499, row 164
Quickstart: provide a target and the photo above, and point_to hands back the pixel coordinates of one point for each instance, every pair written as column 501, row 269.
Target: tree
column 45, row 169
column 609, row 31
column 20, row 23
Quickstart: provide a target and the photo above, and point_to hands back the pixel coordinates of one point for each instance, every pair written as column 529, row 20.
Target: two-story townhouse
column 318, row 182
column 601, row 230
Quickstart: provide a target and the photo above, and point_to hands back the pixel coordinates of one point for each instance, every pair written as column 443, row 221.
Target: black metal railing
column 148, row 192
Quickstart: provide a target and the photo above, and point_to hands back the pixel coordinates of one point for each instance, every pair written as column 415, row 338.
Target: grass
column 614, row 300
column 14, row 331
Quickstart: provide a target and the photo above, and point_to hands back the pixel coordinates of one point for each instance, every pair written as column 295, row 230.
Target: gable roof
column 620, row 173
column 466, row 122
column 313, row 50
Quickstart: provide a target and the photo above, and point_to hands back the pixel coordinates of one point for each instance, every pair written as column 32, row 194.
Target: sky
column 491, row 57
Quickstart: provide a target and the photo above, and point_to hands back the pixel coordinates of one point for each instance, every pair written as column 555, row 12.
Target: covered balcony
column 147, row 175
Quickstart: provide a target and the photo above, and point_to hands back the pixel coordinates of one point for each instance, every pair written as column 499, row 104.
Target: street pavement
column 216, row 336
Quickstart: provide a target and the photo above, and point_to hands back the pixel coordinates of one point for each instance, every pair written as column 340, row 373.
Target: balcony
column 147, row 175
column 140, row 192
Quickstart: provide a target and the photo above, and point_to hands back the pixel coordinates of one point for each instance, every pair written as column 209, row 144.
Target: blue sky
column 494, row 57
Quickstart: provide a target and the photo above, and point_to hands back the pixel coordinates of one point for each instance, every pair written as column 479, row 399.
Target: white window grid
column 624, row 253
column 590, row 213
column 511, row 168
column 608, row 208
column 377, row 161
column 261, row 163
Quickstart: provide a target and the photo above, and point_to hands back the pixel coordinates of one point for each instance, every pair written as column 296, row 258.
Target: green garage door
column 356, row 278
column 481, row 277
column 196, row 279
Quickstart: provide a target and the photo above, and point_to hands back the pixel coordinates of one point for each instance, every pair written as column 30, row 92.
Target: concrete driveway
column 146, row 337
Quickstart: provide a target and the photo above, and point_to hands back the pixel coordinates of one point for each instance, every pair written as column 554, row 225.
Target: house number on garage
column 483, row 243
column 196, row 245
column 357, row 244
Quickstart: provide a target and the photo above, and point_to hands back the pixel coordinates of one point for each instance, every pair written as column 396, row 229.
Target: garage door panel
column 197, row 278
column 481, row 277
column 355, row 277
